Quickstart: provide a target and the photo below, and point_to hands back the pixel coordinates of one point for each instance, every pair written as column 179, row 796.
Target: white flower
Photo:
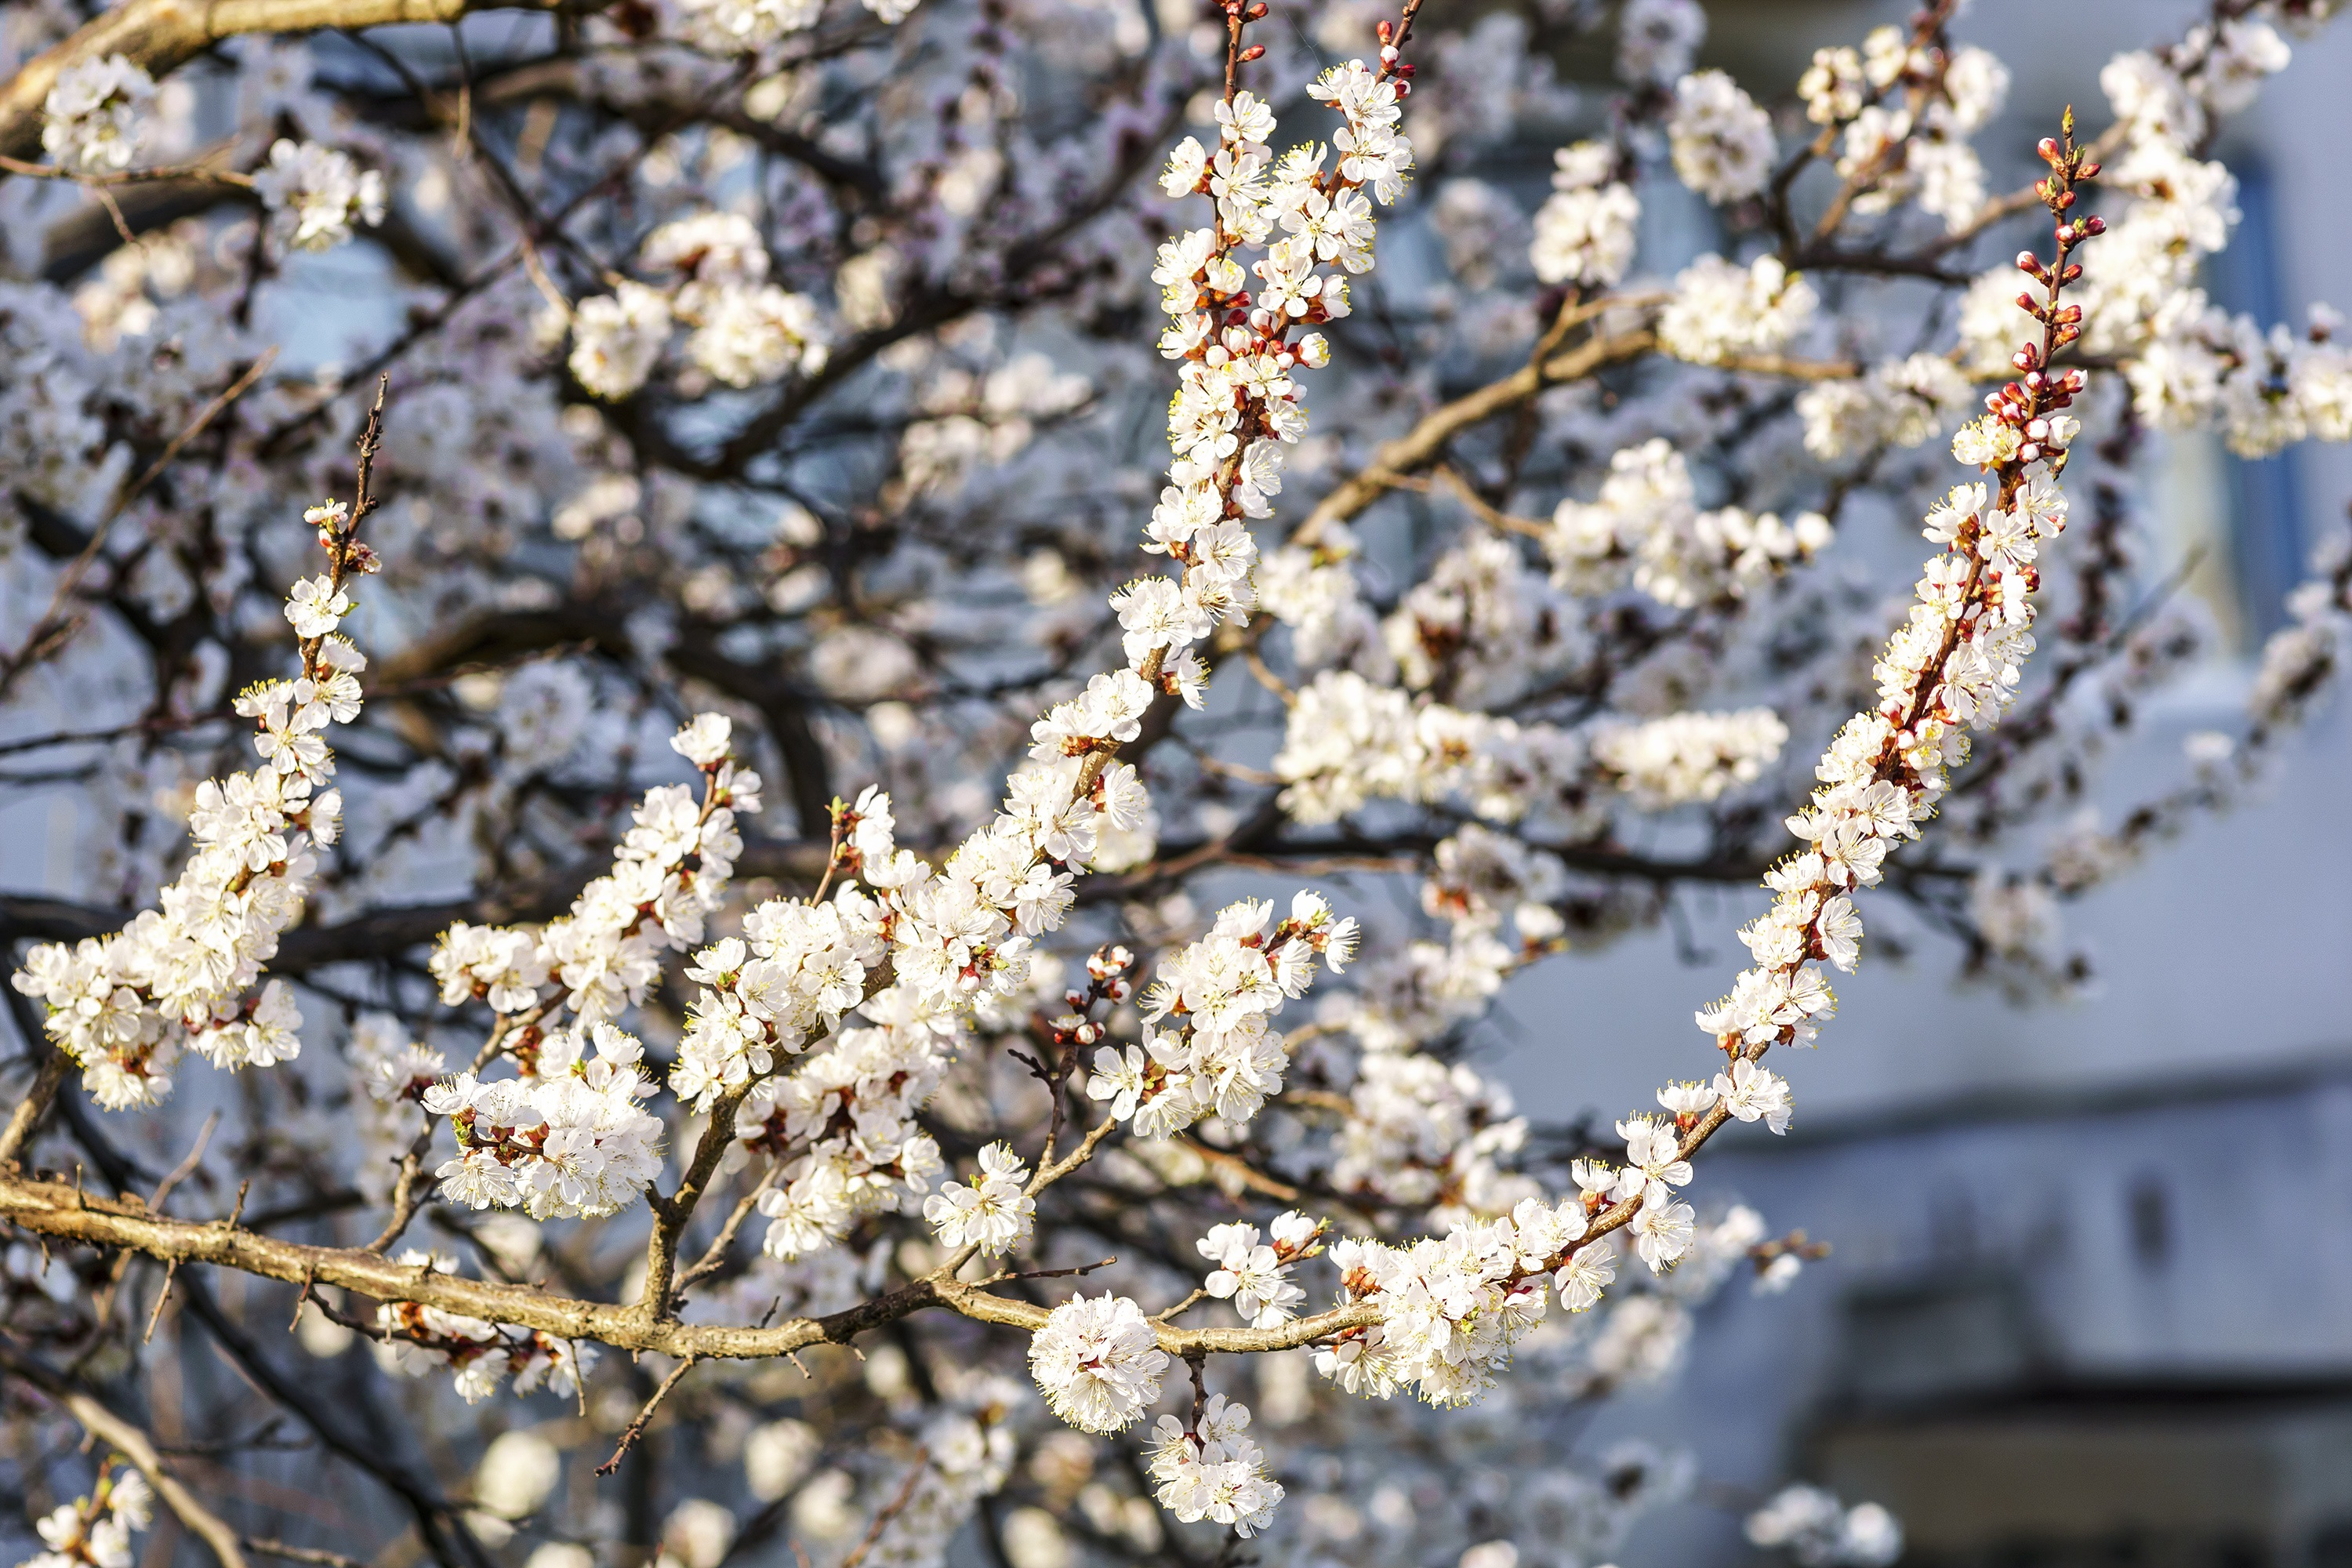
column 1832, row 86
column 705, row 740
column 316, row 606
column 1250, row 1274
column 740, row 26
column 751, row 335
column 1663, row 1233
column 1753, row 1094
column 1589, row 1271
column 315, row 194
column 1655, row 39
column 91, row 119
column 1186, row 166
column 616, row 338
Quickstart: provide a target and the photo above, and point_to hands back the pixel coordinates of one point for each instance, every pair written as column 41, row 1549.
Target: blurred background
column 2091, row 1296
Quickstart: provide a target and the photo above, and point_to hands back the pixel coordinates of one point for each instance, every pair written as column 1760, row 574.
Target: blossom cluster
column 841, row 1127
column 1721, row 310
column 1819, row 1531
column 666, row 877
column 182, row 977
column 1254, row 1275
column 1585, row 230
column 991, row 1212
column 1690, row 756
column 745, row 330
column 967, row 1454
column 1213, row 1470
column 395, row 1072
column 1238, row 404
column 1097, row 1361
column 1902, row 112
column 744, row 26
column 1722, row 141
column 1453, row 1305
column 1952, row 668
column 569, row 1140
column 94, row 1531
column 417, row 1340
column 1646, row 526
column 1207, row 1049
column 1424, row 1135
column 1898, row 403
column 2265, row 390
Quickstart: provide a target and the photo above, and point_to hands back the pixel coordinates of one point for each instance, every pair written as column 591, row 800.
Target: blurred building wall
column 2091, row 1297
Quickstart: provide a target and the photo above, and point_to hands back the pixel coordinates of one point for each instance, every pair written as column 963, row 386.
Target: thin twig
column 891, row 1509
column 181, row 1172
column 636, row 1429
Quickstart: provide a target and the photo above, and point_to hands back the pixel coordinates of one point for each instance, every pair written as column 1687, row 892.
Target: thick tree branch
column 165, row 34
column 1420, row 445
column 59, row 1209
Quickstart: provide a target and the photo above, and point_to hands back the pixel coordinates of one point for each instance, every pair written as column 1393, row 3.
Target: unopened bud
column 1255, row 51
column 2029, row 264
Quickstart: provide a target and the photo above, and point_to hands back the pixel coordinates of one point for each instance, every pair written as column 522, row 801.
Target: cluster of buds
column 1240, row 13
column 1393, row 38
column 1106, row 980
column 2024, row 404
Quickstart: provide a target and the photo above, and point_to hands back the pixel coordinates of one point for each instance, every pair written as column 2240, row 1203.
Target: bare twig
column 636, row 1428
column 891, row 1509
